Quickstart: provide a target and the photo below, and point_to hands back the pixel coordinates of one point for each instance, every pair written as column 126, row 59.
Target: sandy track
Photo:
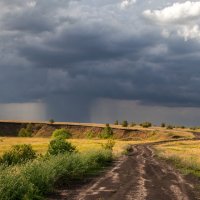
column 138, row 176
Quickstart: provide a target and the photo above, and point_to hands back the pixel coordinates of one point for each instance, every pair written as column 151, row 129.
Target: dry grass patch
column 41, row 144
column 184, row 154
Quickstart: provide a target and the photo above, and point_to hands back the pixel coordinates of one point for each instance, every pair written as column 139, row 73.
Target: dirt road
column 138, row 176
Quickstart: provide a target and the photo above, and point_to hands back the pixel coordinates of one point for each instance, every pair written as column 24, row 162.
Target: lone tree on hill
column 125, row 123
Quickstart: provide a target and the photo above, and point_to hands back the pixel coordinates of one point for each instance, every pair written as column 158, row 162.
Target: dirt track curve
column 139, row 176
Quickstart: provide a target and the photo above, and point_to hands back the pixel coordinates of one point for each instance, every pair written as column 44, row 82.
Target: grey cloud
column 74, row 53
column 28, row 21
column 80, row 45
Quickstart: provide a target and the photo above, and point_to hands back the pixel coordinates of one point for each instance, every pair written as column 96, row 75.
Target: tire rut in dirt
column 139, row 176
column 116, row 184
column 163, row 182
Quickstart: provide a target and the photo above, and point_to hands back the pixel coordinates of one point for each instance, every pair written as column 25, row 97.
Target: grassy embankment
column 183, row 154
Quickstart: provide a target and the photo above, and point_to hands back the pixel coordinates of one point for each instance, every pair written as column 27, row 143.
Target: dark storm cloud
column 79, row 45
column 73, row 50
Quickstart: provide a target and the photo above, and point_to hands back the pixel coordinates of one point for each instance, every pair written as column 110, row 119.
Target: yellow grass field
column 184, row 154
column 41, row 144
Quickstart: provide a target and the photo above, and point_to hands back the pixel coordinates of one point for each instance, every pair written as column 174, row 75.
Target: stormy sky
column 100, row 60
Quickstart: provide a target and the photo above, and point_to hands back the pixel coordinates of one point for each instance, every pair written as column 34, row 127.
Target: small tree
column 61, row 133
column 107, row 125
column 60, row 146
column 107, row 132
column 146, row 124
column 116, row 122
column 125, row 123
column 163, row 125
column 51, row 121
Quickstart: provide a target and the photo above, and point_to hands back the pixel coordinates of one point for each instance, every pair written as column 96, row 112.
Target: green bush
column 26, row 132
column 125, row 123
column 89, row 134
column 18, row 154
column 169, row 127
column 34, row 179
column 22, row 132
column 146, row 124
column 51, row 121
column 107, row 132
column 116, row 122
column 14, row 186
column 182, row 127
column 133, row 124
column 60, row 146
column 108, row 145
column 163, row 125
column 61, row 133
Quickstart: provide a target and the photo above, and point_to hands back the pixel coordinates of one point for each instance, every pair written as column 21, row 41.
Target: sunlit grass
column 41, row 144
column 184, row 154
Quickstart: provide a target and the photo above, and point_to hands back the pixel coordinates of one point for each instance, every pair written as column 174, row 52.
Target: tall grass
column 34, row 179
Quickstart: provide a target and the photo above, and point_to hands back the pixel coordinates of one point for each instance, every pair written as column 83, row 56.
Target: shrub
column 61, row 133
column 34, row 179
column 108, row 145
column 99, row 158
column 116, row 122
column 89, row 134
column 169, row 127
column 22, row 132
column 13, row 186
column 163, row 125
column 18, row 154
column 107, row 132
column 51, row 121
column 125, row 123
column 26, row 132
column 133, row 124
column 146, row 124
column 60, row 146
